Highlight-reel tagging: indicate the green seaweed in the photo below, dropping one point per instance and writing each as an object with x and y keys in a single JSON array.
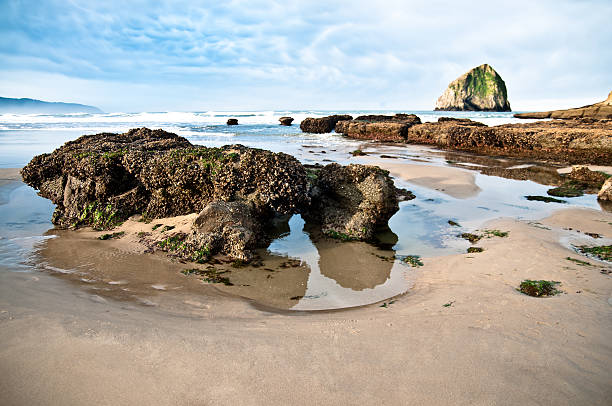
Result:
[
  {"x": 544, "y": 199},
  {"x": 472, "y": 250},
  {"x": 173, "y": 243},
  {"x": 578, "y": 261},
  {"x": 602, "y": 252},
  {"x": 570, "y": 188},
  {"x": 473, "y": 238},
  {"x": 100, "y": 217},
  {"x": 539, "y": 288},
  {"x": 495, "y": 233},
  {"x": 209, "y": 275},
  {"x": 358, "y": 152},
  {"x": 412, "y": 260},
  {"x": 339, "y": 236},
  {"x": 110, "y": 236}
]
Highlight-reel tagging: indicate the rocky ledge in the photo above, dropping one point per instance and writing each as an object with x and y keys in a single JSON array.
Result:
[
  {"x": 568, "y": 141},
  {"x": 101, "y": 180},
  {"x": 599, "y": 111}
]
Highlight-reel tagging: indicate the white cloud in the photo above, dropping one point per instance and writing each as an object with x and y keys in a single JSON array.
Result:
[{"x": 295, "y": 54}]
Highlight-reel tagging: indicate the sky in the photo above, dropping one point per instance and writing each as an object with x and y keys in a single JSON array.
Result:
[{"x": 292, "y": 55}]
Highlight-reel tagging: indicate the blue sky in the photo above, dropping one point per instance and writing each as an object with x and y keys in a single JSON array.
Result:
[{"x": 239, "y": 55}]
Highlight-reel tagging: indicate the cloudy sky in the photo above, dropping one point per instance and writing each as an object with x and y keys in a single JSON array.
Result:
[{"x": 234, "y": 55}]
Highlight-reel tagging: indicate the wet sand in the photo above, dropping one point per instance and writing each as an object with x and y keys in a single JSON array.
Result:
[
  {"x": 457, "y": 183},
  {"x": 461, "y": 335},
  {"x": 491, "y": 345},
  {"x": 8, "y": 175}
]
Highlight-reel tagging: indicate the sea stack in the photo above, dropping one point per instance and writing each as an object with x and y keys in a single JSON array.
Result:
[{"x": 480, "y": 89}]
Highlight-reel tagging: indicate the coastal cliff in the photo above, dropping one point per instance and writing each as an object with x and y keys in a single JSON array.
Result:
[{"x": 480, "y": 89}]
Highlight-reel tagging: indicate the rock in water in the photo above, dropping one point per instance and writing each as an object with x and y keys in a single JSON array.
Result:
[
  {"x": 286, "y": 120},
  {"x": 323, "y": 124},
  {"x": 232, "y": 121},
  {"x": 481, "y": 89}
]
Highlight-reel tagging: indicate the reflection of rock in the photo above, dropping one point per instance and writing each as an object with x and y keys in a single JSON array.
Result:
[
  {"x": 232, "y": 121},
  {"x": 272, "y": 285},
  {"x": 480, "y": 89},
  {"x": 605, "y": 194},
  {"x": 286, "y": 120},
  {"x": 353, "y": 201},
  {"x": 599, "y": 111},
  {"x": 323, "y": 124},
  {"x": 354, "y": 265}
]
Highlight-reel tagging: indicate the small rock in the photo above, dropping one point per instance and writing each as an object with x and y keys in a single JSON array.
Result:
[
  {"x": 286, "y": 121},
  {"x": 232, "y": 121}
]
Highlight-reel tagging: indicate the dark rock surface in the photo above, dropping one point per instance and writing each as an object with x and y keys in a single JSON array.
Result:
[
  {"x": 286, "y": 121},
  {"x": 567, "y": 141},
  {"x": 352, "y": 202},
  {"x": 379, "y": 127},
  {"x": 101, "y": 180},
  {"x": 232, "y": 121},
  {"x": 323, "y": 124}
]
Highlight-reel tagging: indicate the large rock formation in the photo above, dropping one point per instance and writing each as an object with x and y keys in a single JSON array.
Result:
[
  {"x": 378, "y": 127},
  {"x": 599, "y": 111},
  {"x": 101, "y": 180},
  {"x": 323, "y": 124},
  {"x": 567, "y": 141},
  {"x": 480, "y": 89}
]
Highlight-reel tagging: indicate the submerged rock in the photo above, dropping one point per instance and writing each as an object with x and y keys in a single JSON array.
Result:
[
  {"x": 286, "y": 121},
  {"x": 598, "y": 111},
  {"x": 480, "y": 89},
  {"x": 352, "y": 202},
  {"x": 323, "y": 124}
]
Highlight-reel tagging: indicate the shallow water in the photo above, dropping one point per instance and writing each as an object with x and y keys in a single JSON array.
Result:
[{"x": 325, "y": 274}]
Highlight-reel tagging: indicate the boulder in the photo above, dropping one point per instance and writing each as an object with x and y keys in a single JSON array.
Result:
[
  {"x": 101, "y": 180},
  {"x": 323, "y": 124},
  {"x": 605, "y": 194},
  {"x": 352, "y": 202},
  {"x": 480, "y": 89},
  {"x": 597, "y": 111},
  {"x": 286, "y": 121},
  {"x": 232, "y": 121},
  {"x": 379, "y": 127},
  {"x": 233, "y": 228}
]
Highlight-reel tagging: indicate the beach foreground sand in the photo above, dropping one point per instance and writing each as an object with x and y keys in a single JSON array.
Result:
[{"x": 491, "y": 345}]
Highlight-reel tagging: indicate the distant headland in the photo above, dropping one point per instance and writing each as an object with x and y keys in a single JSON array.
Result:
[{"x": 32, "y": 106}]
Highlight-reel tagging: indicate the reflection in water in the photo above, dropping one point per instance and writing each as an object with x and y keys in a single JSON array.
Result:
[{"x": 342, "y": 274}]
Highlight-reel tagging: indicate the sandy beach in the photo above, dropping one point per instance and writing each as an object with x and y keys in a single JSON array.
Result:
[{"x": 462, "y": 335}]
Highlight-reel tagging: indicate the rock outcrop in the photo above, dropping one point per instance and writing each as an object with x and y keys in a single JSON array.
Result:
[
  {"x": 563, "y": 141},
  {"x": 323, "y": 124},
  {"x": 232, "y": 121},
  {"x": 352, "y": 202},
  {"x": 101, "y": 180},
  {"x": 286, "y": 121},
  {"x": 378, "y": 127},
  {"x": 598, "y": 111},
  {"x": 605, "y": 194},
  {"x": 480, "y": 89}
]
